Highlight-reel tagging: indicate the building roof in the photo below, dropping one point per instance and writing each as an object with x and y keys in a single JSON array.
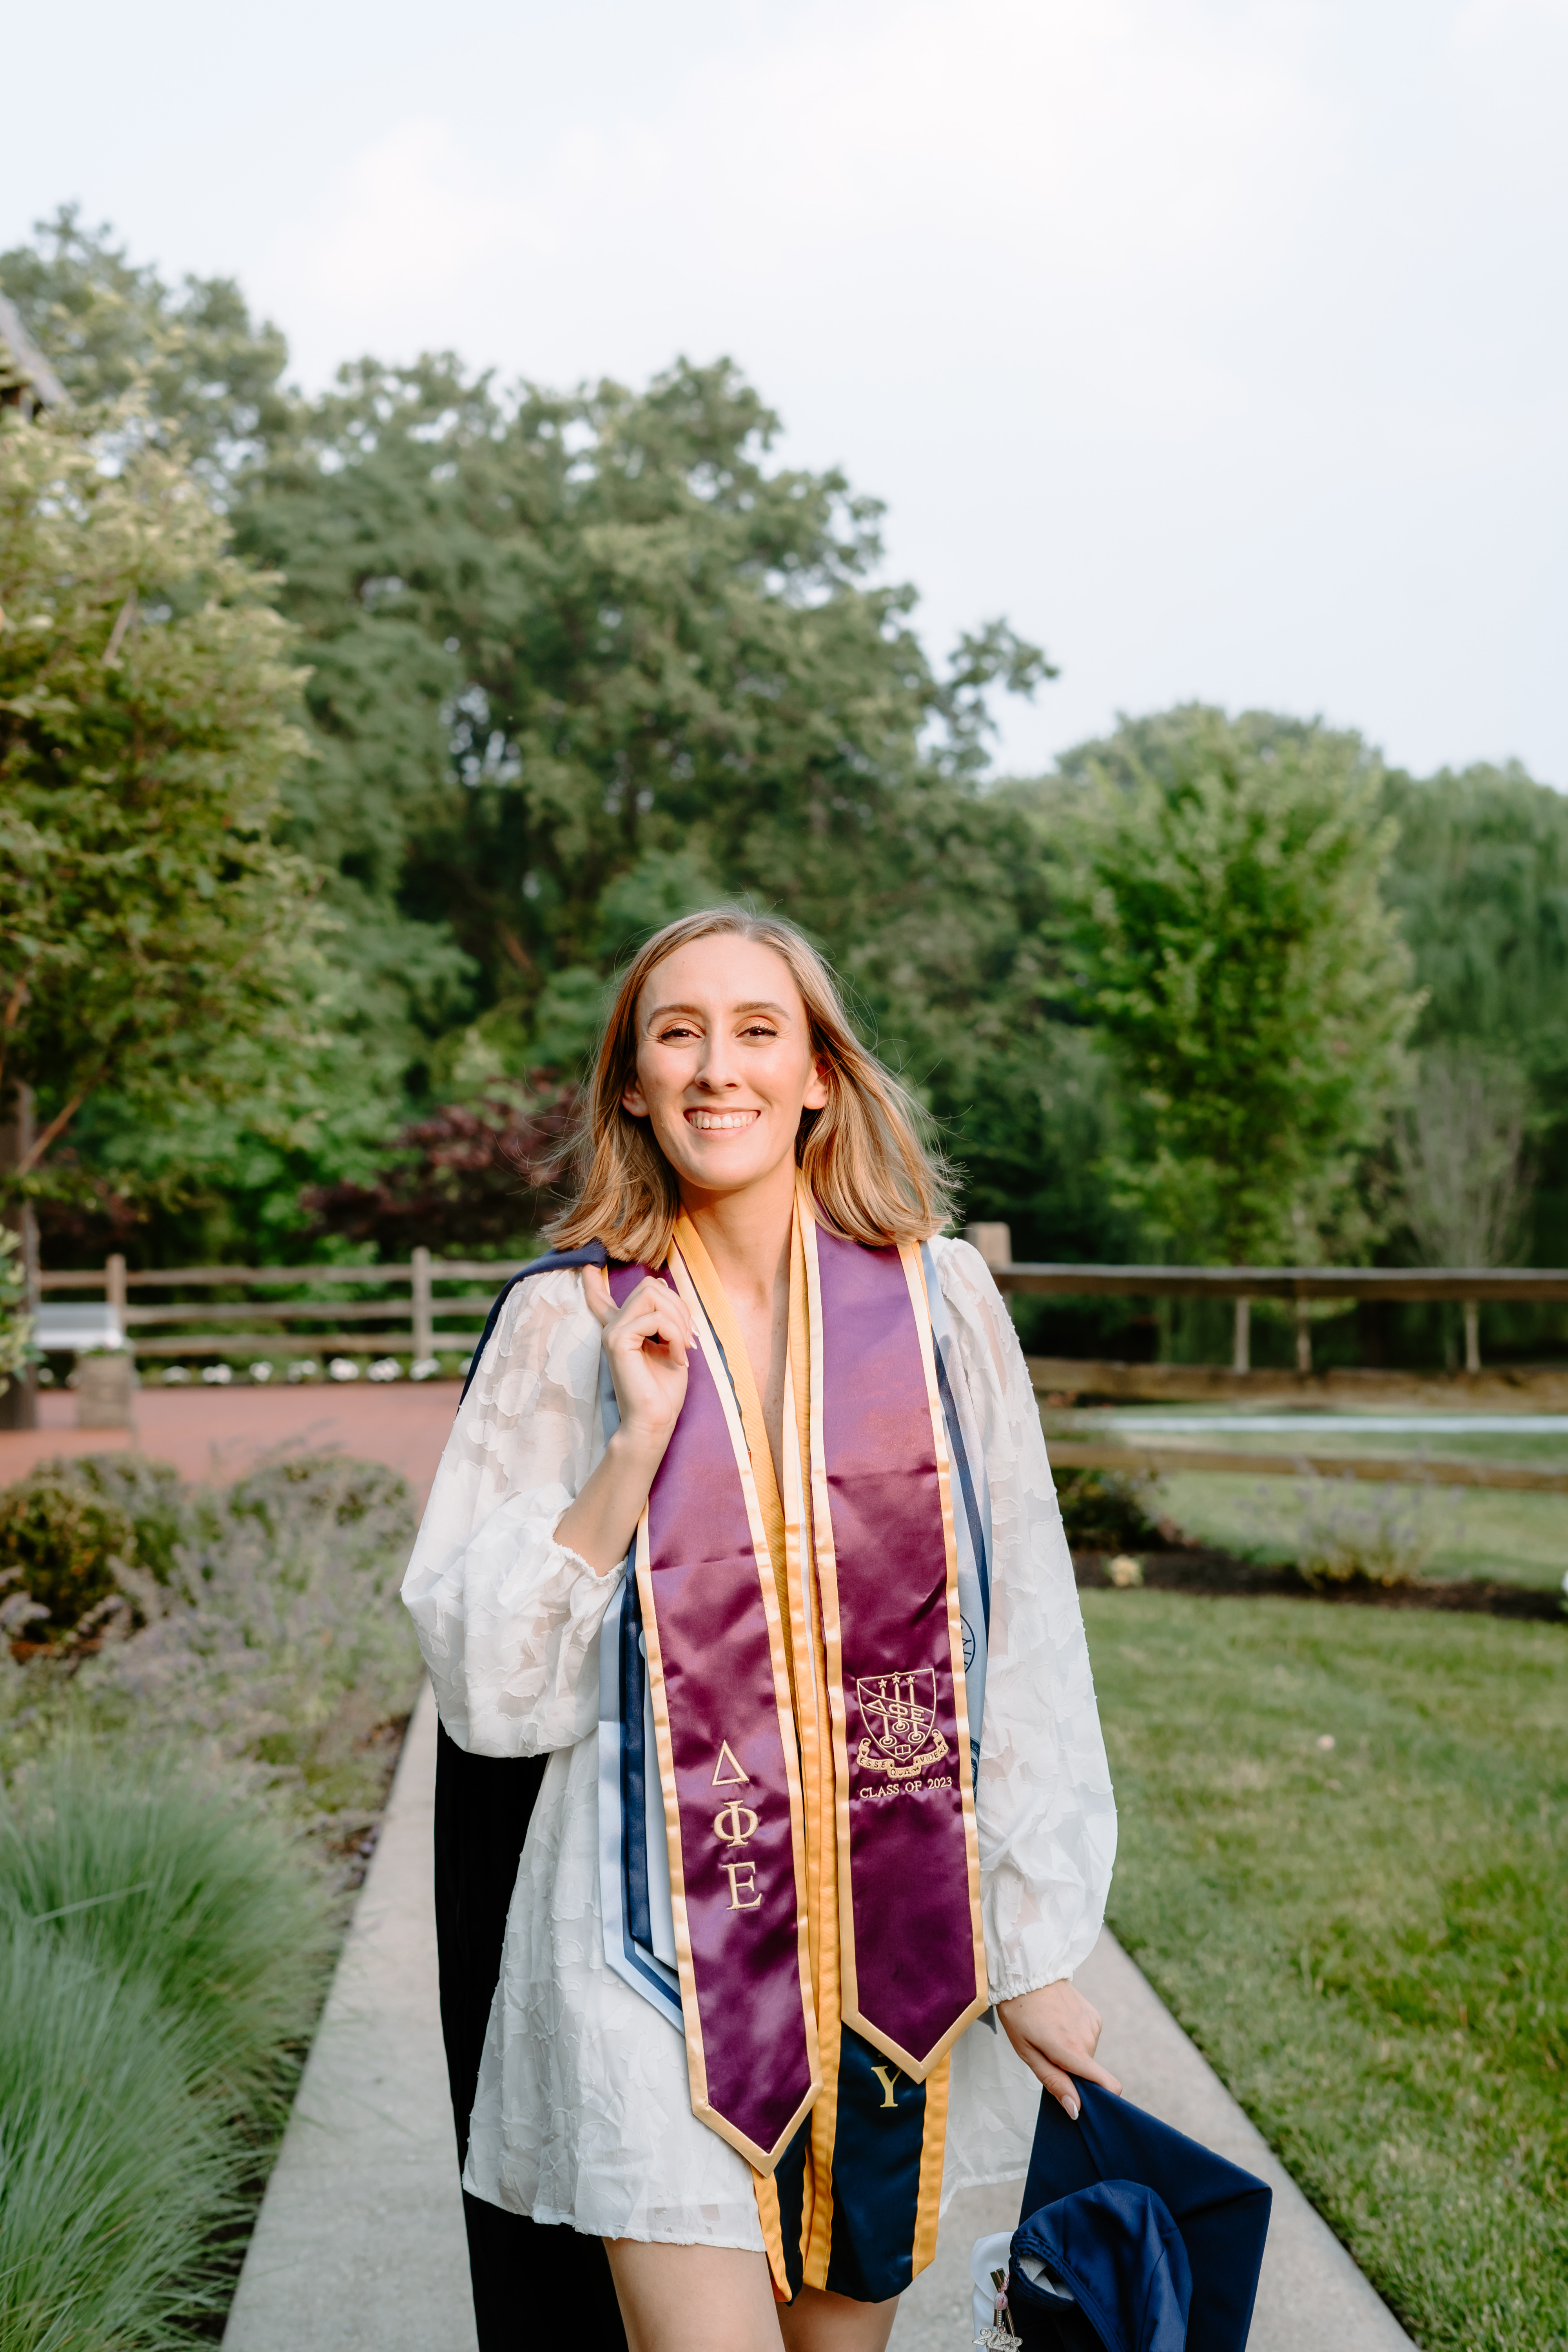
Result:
[{"x": 22, "y": 367}]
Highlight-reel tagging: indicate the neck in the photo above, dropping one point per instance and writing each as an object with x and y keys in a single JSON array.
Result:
[{"x": 747, "y": 1233}]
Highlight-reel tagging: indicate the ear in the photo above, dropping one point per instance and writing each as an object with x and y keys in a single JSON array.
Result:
[
  {"x": 817, "y": 1087},
  {"x": 635, "y": 1100}
]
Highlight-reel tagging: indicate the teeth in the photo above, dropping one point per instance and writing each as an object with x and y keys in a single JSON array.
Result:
[{"x": 717, "y": 1122}]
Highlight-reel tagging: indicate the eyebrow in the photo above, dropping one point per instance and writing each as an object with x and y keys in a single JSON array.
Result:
[{"x": 761, "y": 1004}]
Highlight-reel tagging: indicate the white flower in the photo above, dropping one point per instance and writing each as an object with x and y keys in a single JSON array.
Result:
[
  {"x": 343, "y": 1368},
  {"x": 217, "y": 1376},
  {"x": 385, "y": 1367}
]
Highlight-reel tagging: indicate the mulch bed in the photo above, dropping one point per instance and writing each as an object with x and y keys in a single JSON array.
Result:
[{"x": 1221, "y": 1574}]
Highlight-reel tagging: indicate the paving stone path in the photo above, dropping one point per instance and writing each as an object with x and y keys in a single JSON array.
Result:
[
  {"x": 220, "y": 1433},
  {"x": 359, "y": 2247}
]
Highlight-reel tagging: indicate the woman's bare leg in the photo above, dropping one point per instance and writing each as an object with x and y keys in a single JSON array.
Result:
[
  {"x": 818, "y": 2321},
  {"x": 693, "y": 2298},
  {"x": 720, "y": 2299}
]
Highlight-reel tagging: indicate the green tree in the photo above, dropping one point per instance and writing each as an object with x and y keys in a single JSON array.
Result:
[
  {"x": 1480, "y": 881},
  {"x": 1233, "y": 946},
  {"x": 154, "y": 938},
  {"x": 580, "y": 662},
  {"x": 220, "y": 1172}
]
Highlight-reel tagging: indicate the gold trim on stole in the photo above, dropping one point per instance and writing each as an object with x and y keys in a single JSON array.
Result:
[
  {"x": 915, "y": 1276},
  {"x": 934, "y": 2149},
  {"x": 816, "y": 1751}
]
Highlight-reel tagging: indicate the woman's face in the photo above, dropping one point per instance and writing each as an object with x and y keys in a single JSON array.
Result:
[{"x": 724, "y": 1065}]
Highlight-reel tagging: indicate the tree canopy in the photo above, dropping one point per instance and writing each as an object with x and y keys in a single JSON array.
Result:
[
  {"x": 564, "y": 665},
  {"x": 154, "y": 935},
  {"x": 583, "y": 663}
]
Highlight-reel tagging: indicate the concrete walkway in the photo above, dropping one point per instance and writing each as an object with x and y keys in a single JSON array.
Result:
[{"x": 359, "y": 2247}]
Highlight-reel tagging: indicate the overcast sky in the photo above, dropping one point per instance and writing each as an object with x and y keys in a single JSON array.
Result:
[{"x": 1220, "y": 346}]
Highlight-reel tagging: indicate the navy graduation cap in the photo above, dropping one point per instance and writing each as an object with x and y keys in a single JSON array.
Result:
[{"x": 1157, "y": 2241}]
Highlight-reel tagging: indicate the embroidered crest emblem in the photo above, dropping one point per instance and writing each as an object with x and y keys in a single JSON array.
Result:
[{"x": 898, "y": 1712}]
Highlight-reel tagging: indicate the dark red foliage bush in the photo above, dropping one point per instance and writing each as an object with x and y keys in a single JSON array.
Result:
[{"x": 477, "y": 1175}]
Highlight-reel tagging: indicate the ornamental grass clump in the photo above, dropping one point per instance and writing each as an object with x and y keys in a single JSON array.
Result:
[
  {"x": 164, "y": 1946},
  {"x": 152, "y": 1867},
  {"x": 112, "y": 2166}
]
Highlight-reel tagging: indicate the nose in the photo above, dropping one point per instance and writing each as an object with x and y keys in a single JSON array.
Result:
[{"x": 714, "y": 1075}]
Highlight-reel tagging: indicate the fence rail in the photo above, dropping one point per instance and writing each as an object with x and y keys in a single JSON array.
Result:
[
  {"x": 1396, "y": 1469},
  {"x": 407, "y": 1326},
  {"x": 1500, "y": 1388},
  {"x": 1305, "y": 1285},
  {"x": 262, "y": 1277},
  {"x": 1347, "y": 1283},
  {"x": 429, "y": 1317}
]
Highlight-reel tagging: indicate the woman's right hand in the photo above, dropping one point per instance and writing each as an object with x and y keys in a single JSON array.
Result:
[{"x": 646, "y": 1339}]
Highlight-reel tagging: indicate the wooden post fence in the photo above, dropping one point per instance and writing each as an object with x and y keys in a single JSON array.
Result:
[{"x": 430, "y": 1307}]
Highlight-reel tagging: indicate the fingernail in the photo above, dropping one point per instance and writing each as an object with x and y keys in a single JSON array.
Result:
[{"x": 1071, "y": 2106}]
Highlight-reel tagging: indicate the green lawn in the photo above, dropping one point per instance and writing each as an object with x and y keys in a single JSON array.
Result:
[
  {"x": 1477, "y": 1532},
  {"x": 1370, "y": 1941}
]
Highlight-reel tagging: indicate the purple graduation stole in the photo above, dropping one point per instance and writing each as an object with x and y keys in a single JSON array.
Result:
[{"x": 808, "y": 1697}]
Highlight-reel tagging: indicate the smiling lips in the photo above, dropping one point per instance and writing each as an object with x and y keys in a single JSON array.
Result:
[{"x": 721, "y": 1122}]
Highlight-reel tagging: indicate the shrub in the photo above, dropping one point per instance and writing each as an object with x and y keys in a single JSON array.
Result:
[
  {"x": 1107, "y": 1510},
  {"x": 151, "y": 1493},
  {"x": 1350, "y": 1531},
  {"x": 367, "y": 1506},
  {"x": 277, "y": 1632},
  {"x": 265, "y": 1618},
  {"x": 16, "y": 1323},
  {"x": 64, "y": 1547}
]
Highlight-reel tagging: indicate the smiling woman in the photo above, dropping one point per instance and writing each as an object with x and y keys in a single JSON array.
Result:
[
  {"x": 765, "y": 1015},
  {"x": 748, "y": 1523}
]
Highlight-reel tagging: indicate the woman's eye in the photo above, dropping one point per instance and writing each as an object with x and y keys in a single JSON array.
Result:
[
  {"x": 675, "y": 1037},
  {"x": 759, "y": 1029}
]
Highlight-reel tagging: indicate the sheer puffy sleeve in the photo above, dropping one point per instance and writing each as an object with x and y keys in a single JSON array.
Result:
[
  {"x": 1047, "y": 1817},
  {"x": 508, "y": 1619}
]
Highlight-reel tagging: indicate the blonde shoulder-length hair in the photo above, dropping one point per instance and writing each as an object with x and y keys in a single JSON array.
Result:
[{"x": 863, "y": 1155}]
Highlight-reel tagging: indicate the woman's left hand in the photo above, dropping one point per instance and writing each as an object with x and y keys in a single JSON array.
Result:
[{"x": 1055, "y": 2032}]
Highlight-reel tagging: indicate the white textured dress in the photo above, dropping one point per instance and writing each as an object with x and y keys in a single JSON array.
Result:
[{"x": 582, "y": 2113}]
